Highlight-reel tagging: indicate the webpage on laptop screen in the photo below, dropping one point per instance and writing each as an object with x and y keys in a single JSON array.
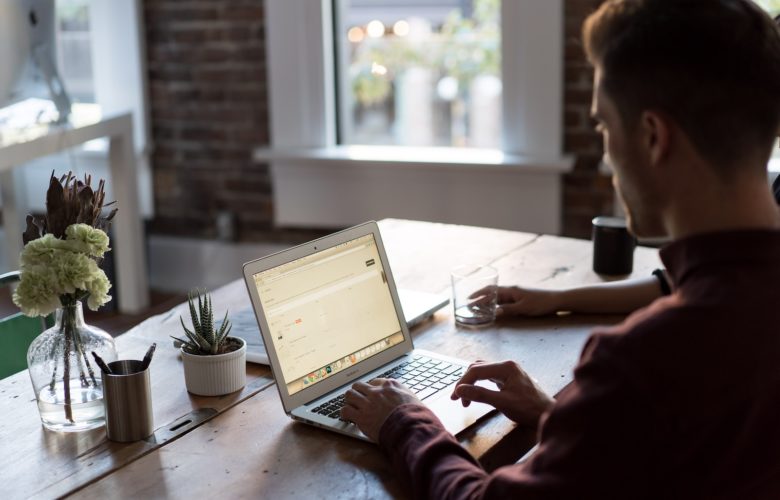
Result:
[{"x": 328, "y": 311}]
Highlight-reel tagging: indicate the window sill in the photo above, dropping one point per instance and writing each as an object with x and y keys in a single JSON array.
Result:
[
  {"x": 342, "y": 186},
  {"x": 416, "y": 157}
]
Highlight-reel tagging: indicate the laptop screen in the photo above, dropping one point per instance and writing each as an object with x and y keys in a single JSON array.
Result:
[{"x": 328, "y": 311}]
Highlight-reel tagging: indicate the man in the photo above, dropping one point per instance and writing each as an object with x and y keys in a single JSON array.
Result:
[{"x": 681, "y": 400}]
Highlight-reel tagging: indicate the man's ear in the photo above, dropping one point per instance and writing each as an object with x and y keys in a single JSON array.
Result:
[{"x": 655, "y": 131}]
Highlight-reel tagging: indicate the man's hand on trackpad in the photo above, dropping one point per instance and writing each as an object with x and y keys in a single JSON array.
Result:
[
  {"x": 369, "y": 404},
  {"x": 518, "y": 397}
]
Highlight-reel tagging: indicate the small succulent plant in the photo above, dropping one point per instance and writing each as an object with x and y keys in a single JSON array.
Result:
[{"x": 204, "y": 339}]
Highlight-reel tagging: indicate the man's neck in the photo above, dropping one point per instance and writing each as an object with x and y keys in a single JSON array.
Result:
[{"x": 724, "y": 207}]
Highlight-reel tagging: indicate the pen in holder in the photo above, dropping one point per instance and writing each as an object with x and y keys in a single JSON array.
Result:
[{"x": 127, "y": 397}]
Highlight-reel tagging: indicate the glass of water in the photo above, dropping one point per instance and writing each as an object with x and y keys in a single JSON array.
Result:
[{"x": 474, "y": 293}]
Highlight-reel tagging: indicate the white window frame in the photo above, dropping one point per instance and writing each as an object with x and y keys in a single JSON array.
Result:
[{"x": 318, "y": 183}]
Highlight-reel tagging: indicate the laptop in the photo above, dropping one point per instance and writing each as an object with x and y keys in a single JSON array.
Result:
[
  {"x": 330, "y": 315},
  {"x": 417, "y": 306}
]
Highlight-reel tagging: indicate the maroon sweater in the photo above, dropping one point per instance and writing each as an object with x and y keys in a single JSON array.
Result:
[{"x": 681, "y": 400}]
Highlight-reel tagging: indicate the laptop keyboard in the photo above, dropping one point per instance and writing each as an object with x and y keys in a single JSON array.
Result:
[{"x": 424, "y": 376}]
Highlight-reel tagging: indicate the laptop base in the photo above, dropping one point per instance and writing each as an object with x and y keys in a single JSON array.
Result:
[{"x": 452, "y": 414}]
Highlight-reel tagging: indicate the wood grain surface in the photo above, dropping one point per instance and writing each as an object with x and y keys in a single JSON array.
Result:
[
  {"x": 250, "y": 448},
  {"x": 46, "y": 464}
]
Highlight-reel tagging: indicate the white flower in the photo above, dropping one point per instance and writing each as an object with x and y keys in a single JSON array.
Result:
[
  {"x": 51, "y": 268},
  {"x": 42, "y": 250},
  {"x": 87, "y": 239},
  {"x": 37, "y": 293},
  {"x": 98, "y": 290}
]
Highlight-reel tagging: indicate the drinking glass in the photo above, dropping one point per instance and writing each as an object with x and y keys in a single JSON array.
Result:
[{"x": 474, "y": 293}]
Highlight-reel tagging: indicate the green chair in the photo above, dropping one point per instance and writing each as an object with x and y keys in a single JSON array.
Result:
[{"x": 17, "y": 331}]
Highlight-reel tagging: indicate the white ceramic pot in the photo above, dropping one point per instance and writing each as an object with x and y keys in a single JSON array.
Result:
[{"x": 215, "y": 375}]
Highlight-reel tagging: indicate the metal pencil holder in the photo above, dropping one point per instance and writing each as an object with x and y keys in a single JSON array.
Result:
[{"x": 127, "y": 397}]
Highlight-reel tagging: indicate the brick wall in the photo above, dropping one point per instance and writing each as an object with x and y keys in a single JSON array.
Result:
[
  {"x": 586, "y": 192},
  {"x": 207, "y": 87},
  {"x": 206, "y": 63}
]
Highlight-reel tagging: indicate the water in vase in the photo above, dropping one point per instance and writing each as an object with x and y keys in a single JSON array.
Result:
[{"x": 86, "y": 407}]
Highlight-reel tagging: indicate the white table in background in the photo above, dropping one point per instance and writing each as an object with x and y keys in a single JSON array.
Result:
[{"x": 20, "y": 147}]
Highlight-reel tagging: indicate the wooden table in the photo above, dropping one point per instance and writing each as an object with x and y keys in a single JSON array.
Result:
[{"x": 243, "y": 445}]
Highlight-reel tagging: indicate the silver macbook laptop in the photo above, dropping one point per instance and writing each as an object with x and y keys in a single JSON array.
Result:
[
  {"x": 330, "y": 315},
  {"x": 419, "y": 306}
]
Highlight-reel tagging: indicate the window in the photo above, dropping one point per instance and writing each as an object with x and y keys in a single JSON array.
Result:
[
  {"x": 74, "y": 58},
  {"x": 773, "y": 7},
  {"x": 303, "y": 72},
  {"x": 419, "y": 74},
  {"x": 336, "y": 160}
]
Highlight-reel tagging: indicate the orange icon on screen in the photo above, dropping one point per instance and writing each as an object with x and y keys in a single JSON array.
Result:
[{"x": 298, "y": 321}]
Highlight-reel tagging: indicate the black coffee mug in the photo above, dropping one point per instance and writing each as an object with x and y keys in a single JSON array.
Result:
[{"x": 613, "y": 246}]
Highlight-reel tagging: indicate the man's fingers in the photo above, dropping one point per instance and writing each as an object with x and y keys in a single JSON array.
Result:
[
  {"x": 470, "y": 367},
  {"x": 363, "y": 387},
  {"x": 488, "y": 290},
  {"x": 479, "y": 394},
  {"x": 487, "y": 371},
  {"x": 511, "y": 309},
  {"x": 509, "y": 294},
  {"x": 366, "y": 388},
  {"x": 355, "y": 398},
  {"x": 349, "y": 413}
]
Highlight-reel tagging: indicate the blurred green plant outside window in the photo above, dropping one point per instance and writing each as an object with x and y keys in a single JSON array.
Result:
[{"x": 424, "y": 73}]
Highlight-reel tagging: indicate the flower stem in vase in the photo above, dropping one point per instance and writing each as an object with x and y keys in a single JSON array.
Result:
[
  {"x": 66, "y": 365},
  {"x": 53, "y": 356},
  {"x": 81, "y": 357}
]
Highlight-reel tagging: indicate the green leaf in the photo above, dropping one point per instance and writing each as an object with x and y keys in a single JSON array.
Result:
[
  {"x": 224, "y": 329},
  {"x": 210, "y": 311},
  {"x": 193, "y": 313},
  {"x": 186, "y": 330},
  {"x": 203, "y": 343},
  {"x": 195, "y": 338},
  {"x": 189, "y": 346},
  {"x": 224, "y": 325},
  {"x": 224, "y": 335},
  {"x": 208, "y": 321}
]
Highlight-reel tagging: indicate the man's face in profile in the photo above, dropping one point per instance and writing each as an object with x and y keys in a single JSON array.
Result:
[{"x": 631, "y": 179}]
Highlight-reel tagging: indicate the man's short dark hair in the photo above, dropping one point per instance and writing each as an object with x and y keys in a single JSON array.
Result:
[{"x": 713, "y": 66}]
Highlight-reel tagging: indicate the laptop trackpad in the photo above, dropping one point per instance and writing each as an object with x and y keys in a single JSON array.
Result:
[{"x": 454, "y": 416}]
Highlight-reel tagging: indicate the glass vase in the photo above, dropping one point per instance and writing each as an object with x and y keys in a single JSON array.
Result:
[{"x": 65, "y": 377}]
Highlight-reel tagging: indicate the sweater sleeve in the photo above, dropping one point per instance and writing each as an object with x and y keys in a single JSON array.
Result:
[
  {"x": 428, "y": 457},
  {"x": 596, "y": 423}
]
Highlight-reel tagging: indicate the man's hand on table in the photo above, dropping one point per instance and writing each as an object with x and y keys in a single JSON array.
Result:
[
  {"x": 369, "y": 405},
  {"x": 516, "y": 301},
  {"x": 519, "y": 396}
]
